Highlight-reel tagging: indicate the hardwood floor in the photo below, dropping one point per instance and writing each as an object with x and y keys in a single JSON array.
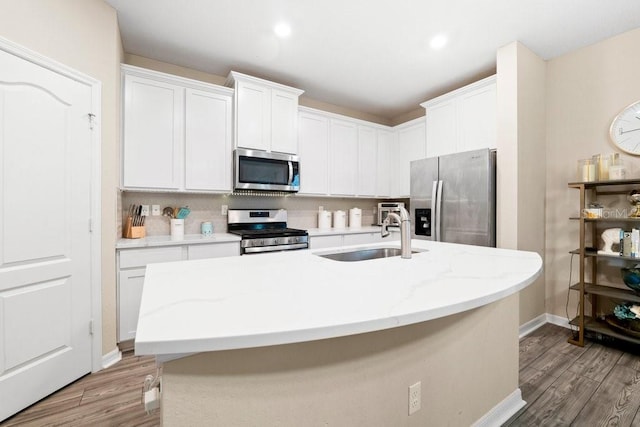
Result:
[
  {"x": 111, "y": 397},
  {"x": 563, "y": 385}
]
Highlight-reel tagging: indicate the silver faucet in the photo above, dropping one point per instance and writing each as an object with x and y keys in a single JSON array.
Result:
[{"x": 405, "y": 230}]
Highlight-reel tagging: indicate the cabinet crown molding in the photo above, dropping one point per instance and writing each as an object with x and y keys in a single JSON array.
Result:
[
  {"x": 132, "y": 70},
  {"x": 235, "y": 76},
  {"x": 449, "y": 95}
]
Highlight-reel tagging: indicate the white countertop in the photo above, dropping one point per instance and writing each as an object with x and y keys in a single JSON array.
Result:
[
  {"x": 287, "y": 297},
  {"x": 189, "y": 239}
]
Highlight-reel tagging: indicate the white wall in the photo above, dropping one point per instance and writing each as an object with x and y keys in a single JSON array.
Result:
[
  {"x": 84, "y": 35},
  {"x": 585, "y": 90}
]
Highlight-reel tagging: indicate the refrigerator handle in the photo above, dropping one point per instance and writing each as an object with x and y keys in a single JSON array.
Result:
[
  {"x": 438, "y": 200},
  {"x": 434, "y": 195}
]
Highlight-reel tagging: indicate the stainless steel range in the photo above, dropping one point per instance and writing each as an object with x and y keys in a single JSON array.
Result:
[{"x": 265, "y": 230}]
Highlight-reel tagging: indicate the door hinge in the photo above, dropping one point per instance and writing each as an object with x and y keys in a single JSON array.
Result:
[
  {"x": 92, "y": 118},
  {"x": 91, "y": 327},
  {"x": 90, "y": 226}
]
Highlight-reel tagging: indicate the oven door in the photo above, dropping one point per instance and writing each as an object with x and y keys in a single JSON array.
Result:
[{"x": 262, "y": 170}]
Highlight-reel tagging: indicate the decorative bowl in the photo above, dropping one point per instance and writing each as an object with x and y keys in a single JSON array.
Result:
[{"x": 631, "y": 278}]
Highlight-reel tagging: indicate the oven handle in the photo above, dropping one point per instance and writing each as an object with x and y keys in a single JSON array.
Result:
[{"x": 259, "y": 249}]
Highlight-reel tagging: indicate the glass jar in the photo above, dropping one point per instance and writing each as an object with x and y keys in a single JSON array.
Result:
[{"x": 586, "y": 170}]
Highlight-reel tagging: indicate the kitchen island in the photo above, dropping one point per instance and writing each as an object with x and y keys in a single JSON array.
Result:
[{"x": 297, "y": 339}]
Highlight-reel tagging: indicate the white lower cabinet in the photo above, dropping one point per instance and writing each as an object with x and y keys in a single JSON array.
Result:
[
  {"x": 129, "y": 295},
  {"x": 361, "y": 239},
  {"x": 320, "y": 242},
  {"x": 338, "y": 240},
  {"x": 216, "y": 250},
  {"x": 132, "y": 267}
]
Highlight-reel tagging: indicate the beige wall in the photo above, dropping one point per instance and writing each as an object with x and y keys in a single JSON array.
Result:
[
  {"x": 521, "y": 162},
  {"x": 467, "y": 363},
  {"x": 84, "y": 35},
  {"x": 586, "y": 89}
]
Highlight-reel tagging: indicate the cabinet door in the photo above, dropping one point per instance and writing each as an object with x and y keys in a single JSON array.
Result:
[
  {"x": 384, "y": 161},
  {"x": 361, "y": 239},
  {"x": 320, "y": 242},
  {"x": 215, "y": 250},
  {"x": 367, "y": 161},
  {"x": 441, "y": 129},
  {"x": 152, "y": 137},
  {"x": 253, "y": 121},
  {"x": 343, "y": 157},
  {"x": 129, "y": 296},
  {"x": 411, "y": 146},
  {"x": 476, "y": 114},
  {"x": 313, "y": 145},
  {"x": 207, "y": 141},
  {"x": 284, "y": 122}
]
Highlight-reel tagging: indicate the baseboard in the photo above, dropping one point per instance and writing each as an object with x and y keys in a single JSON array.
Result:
[
  {"x": 111, "y": 358},
  {"x": 558, "y": 320},
  {"x": 504, "y": 410},
  {"x": 534, "y": 324}
]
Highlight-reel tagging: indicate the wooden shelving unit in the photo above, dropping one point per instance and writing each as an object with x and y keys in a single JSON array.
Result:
[{"x": 589, "y": 258}]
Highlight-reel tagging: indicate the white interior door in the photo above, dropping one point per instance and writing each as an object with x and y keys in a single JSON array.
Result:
[{"x": 45, "y": 244}]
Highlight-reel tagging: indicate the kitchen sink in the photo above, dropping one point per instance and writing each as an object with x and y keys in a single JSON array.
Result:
[{"x": 365, "y": 254}]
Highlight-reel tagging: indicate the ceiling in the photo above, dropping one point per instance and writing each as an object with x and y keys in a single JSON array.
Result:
[{"x": 371, "y": 56}]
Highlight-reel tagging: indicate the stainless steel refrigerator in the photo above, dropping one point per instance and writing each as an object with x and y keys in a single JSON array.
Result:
[{"x": 453, "y": 198}]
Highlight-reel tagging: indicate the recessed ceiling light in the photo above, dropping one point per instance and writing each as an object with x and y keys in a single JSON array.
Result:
[
  {"x": 438, "y": 42},
  {"x": 282, "y": 30}
]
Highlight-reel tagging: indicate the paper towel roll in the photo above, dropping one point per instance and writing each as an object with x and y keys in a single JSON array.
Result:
[
  {"x": 324, "y": 220},
  {"x": 355, "y": 218},
  {"x": 339, "y": 219}
]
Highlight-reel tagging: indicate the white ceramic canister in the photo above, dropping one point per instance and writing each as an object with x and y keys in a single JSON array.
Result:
[
  {"x": 355, "y": 218},
  {"x": 339, "y": 219},
  {"x": 324, "y": 220},
  {"x": 177, "y": 229}
]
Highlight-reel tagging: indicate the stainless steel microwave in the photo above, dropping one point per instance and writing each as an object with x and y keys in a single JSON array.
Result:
[{"x": 268, "y": 171}]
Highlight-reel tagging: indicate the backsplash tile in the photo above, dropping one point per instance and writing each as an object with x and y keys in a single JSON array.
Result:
[{"x": 302, "y": 211}]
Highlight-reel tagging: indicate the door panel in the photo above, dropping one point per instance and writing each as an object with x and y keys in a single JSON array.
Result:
[
  {"x": 466, "y": 198},
  {"x": 45, "y": 242}
]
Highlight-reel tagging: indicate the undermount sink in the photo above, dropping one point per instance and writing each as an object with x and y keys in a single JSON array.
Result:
[{"x": 365, "y": 254}]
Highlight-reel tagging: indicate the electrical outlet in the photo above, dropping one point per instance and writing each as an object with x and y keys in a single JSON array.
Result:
[
  {"x": 415, "y": 397},
  {"x": 155, "y": 210},
  {"x": 224, "y": 209},
  {"x": 145, "y": 210}
]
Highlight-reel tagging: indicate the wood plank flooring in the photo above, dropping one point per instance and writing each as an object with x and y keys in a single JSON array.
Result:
[
  {"x": 563, "y": 385},
  {"x": 111, "y": 397}
]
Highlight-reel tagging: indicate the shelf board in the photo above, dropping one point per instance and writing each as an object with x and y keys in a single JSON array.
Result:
[
  {"x": 592, "y": 184},
  {"x": 609, "y": 291},
  {"x": 595, "y": 254},
  {"x": 601, "y": 327},
  {"x": 617, "y": 219}
]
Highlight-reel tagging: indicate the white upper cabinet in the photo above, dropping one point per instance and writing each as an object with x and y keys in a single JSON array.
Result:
[
  {"x": 266, "y": 114},
  {"x": 313, "y": 149},
  {"x": 176, "y": 133},
  {"x": 386, "y": 144},
  {"x": 207, "y": 140},
  {"x": 410, "y": 146},
  {"x": 343, "y": 157},
  {"x": 152, "y": 133},
  {"x": 462, "y": 120},
  {"x": 367, "y": 160}
]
